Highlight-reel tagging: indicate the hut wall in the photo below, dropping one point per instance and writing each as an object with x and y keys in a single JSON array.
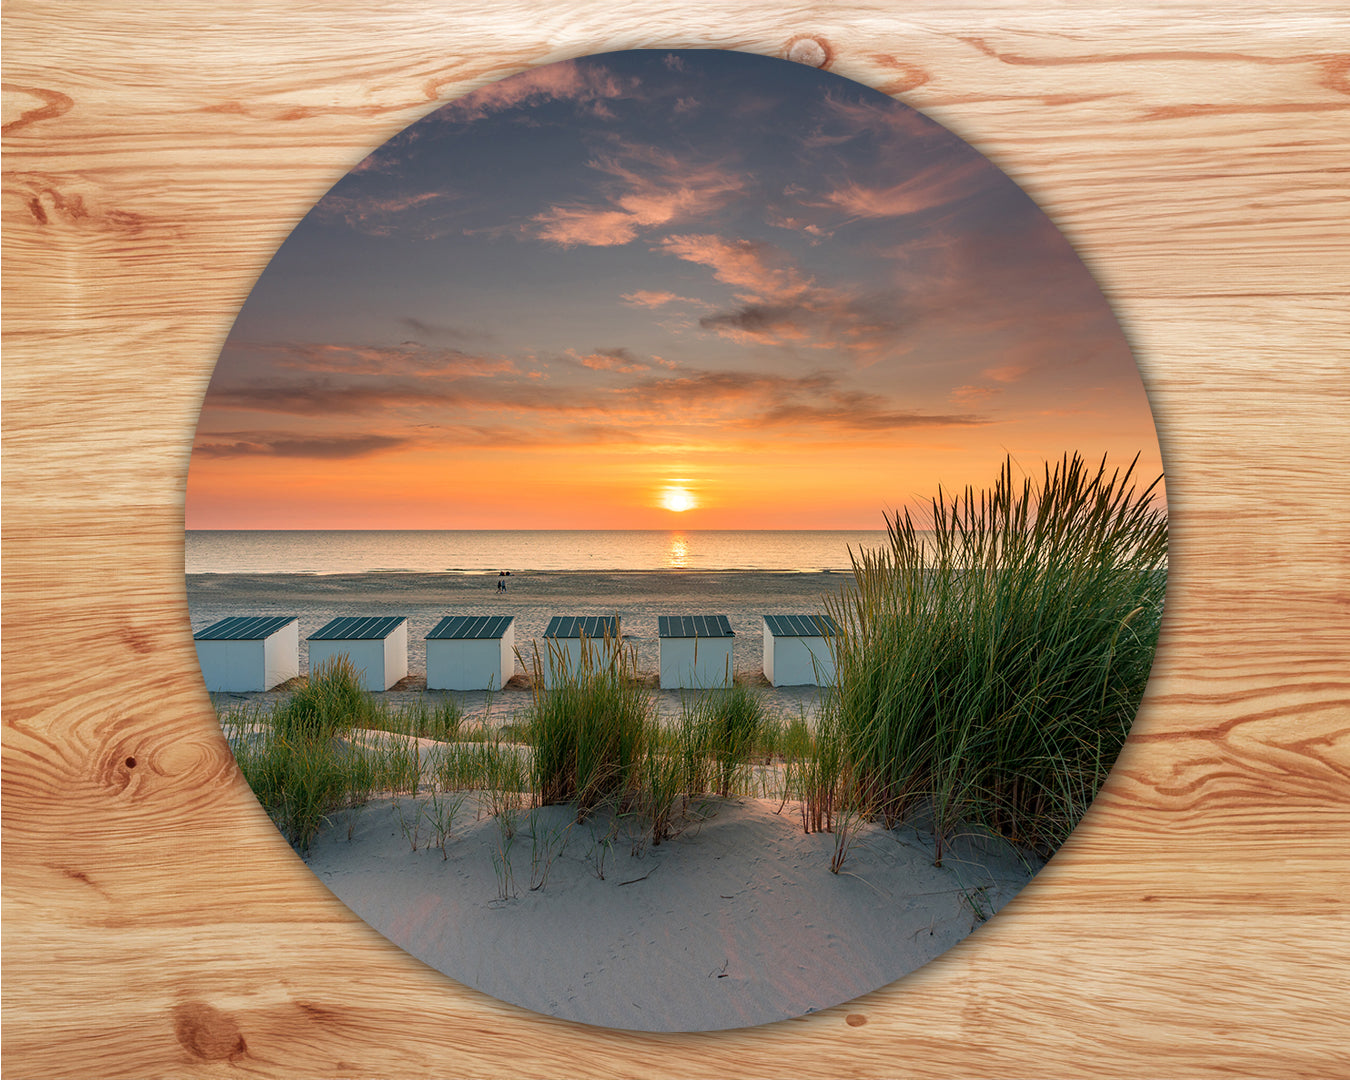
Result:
[
  {"x": 798, "y": 661},
  {"x": 697, "y": 663},
  {"x": 559, "y": 656},
  {"x": 250, "y": 665},
  {"x": 379, "y": 662},
  {"x": 281, "y": 655},
  {"x": 472, "y": 663}
]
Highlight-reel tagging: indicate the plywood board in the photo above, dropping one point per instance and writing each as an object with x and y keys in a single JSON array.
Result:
[{"x": 1195, "y": 153}]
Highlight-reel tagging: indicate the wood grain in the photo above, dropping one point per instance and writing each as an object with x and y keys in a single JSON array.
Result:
[{"x": 1195, "y": 153}]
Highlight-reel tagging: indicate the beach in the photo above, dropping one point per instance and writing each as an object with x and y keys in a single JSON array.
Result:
[
  {"x": 638, "y": 597},
  {"x": 735, "y": 920}
]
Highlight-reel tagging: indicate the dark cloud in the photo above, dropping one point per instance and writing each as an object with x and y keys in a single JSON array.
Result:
[
  {"x": 757, "y": 320},
  {"x": 821, "y": 318},
  {"x": 365, "y": 396},
  {"x": 782, "y": 305},
  {"x": 327, "y": 447},
  {"x": 863, "y": 412},
  {"x": 714, "y": 387},
  {"x": 313, "y": 397},
  {"x": 815, "y": 402},
  {"x": 407, "y": 358},
  {"x": 443, "y": 331}
]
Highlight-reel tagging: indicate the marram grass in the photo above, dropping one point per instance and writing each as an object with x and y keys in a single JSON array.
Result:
[
  {"x": 588, "y": 727},
  {"x": 992, "y": 670}
]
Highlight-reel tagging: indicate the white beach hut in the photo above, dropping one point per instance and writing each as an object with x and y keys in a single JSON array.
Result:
[
  {"x": 695, "y": 651},
  {"x": 471, "y": 652},
  {"x": 377, "y": 646},
  {"x": 569, "y": 637},
  {"x": 797, "y": 650},
  {"x": 249, "y": 652}
]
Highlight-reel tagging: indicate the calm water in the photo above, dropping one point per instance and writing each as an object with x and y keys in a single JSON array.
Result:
[{"x": 428, "y": 551}]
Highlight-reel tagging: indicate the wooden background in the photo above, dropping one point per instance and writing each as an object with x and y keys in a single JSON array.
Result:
[{"x": 1196, "y": 153}]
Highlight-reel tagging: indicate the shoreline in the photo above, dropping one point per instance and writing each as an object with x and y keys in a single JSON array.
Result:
[{"x": 463, "y": 571}]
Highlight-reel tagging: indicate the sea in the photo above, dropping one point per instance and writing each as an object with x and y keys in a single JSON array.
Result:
[{"x": 311, "y": 551}]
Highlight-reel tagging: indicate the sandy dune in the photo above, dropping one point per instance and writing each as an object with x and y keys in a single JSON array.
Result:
[{"x": 736, "y": 921}]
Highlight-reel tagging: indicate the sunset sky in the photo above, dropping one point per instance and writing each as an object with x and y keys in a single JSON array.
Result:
[{"x": 652, "y": 290}]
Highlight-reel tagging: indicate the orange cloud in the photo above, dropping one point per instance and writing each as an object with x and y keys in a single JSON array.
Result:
[
  {"x": 621, "y": 360},
  {"x": 1009, "y": 373},
  {"x": 565, "y": 81},
  {"x": 969, "y": 394},
  {"x": 755, "y": 268},
  {"x": 935, "y": 186},
  {"x": 649, "y": 189},
  {"x": 569, "y": 226},
  {"x": 653, "y": 299}
]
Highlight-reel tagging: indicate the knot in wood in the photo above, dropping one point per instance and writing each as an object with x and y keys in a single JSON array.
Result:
[
  {"x": 811, "y": 51},
  {"x": 207, "y": 1033}
]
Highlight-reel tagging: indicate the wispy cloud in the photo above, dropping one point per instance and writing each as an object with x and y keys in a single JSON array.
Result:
[
  {"x": 780, "y": 220},
  {"x": 648, "y": 298},
  {"x": 1007, "y": 373},
  {"x": 589, "y": 84},
  {"x": 970, "y": 394},
  {"x": 619, "y": 359},
  {"x": 423, "y": 214},
  {"x": 647, "y": 189},
  {"x": 938, "y": 185},
  {"x": 757, "y": 270},
  {"x": 845, "y": 118},
  {"x": 570, "y": 226}
]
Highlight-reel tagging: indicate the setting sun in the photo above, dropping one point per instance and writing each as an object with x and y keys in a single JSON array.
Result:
[
  {"x": 636, "y": 310},
  {"x": 677, "y": 499}
]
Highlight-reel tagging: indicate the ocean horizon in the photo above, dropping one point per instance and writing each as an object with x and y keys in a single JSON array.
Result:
[{"x": 479, "y": 551}]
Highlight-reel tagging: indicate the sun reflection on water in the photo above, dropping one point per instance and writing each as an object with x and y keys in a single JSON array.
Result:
[{"x": 677, "y": 557}]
